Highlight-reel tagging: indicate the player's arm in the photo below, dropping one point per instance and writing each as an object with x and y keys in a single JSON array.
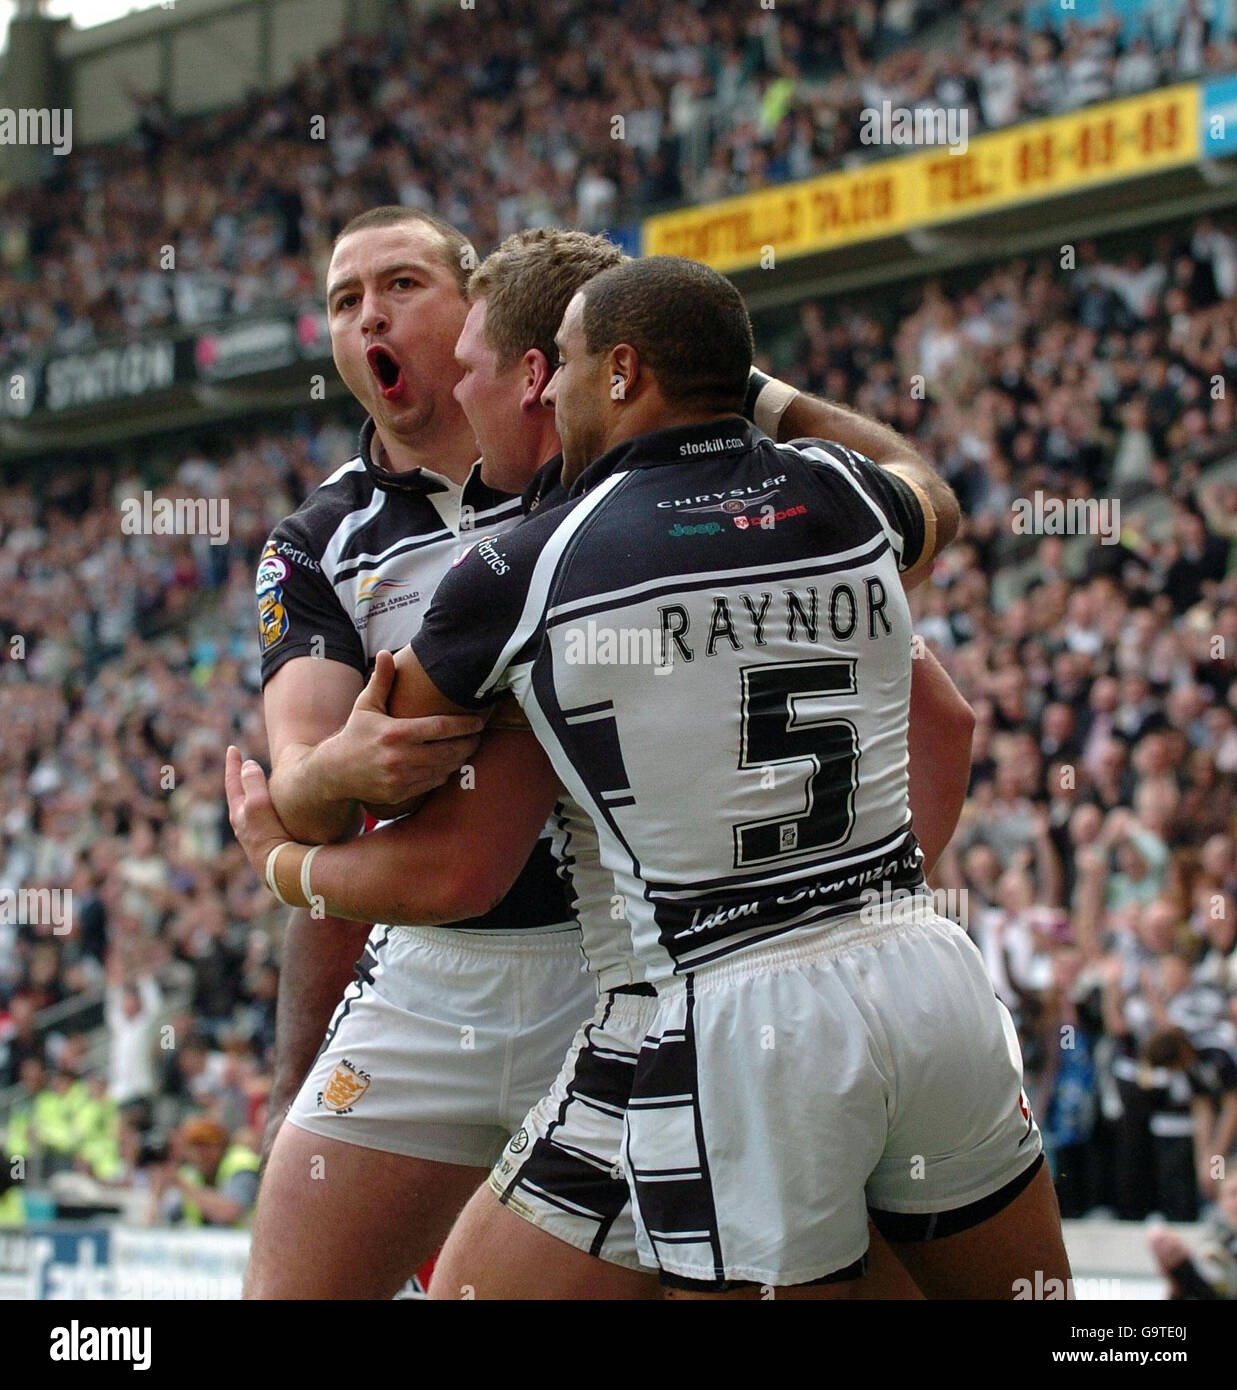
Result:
[
  {"x": 939, "y": 745},
  {"x": 453, "y": 858},
  {"x": 305, "y": 703},
  {"x": 785, "y": 413},
  {"x": 305, "y": 699},
  {"x": 313, "y": 665},
  {"x": 458, "y": 664},
  {"x": 334, "y": 748}
]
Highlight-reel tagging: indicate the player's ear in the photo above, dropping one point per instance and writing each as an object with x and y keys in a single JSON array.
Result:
[
  {"x": 537, "y": 374},
  {"x": 624, "y": 371}
]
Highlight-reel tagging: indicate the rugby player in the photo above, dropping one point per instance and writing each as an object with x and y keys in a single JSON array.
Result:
[
  {"x": 563, "y": 1180},
  {"x": 749, "y": 1161},
  {"x": 443, "y": 1040}
]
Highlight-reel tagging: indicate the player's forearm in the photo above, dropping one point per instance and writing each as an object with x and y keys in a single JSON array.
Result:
[
  {"x": 309, "y": 793},
  {"x": 939, "y": 747},
  {"x": 318, "y": 960},
  {"x": 397, "y": 875},
  {"x": 455, "y": 858},
  {"x": 808, "y": 416}
]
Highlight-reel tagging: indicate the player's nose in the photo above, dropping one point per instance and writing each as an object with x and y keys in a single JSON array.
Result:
[{"x": 374, "y": 319}]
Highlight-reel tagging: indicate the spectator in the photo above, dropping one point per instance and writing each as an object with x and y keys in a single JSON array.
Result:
[
  {"x": 1210, "y": 1272},
  {"x": 217, "y": 1182},
  {"x": 132, "y": 1011}
]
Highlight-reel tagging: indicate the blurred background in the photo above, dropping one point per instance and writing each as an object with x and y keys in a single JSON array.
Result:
[{"x": 1049, "y": 312}]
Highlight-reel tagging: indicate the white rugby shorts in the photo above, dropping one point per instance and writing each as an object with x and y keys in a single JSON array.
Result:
[
  {"x": 562, "y": 1169},
  {"x": 445, "y": 1040},
  {"x": 784, "y": 1091}
]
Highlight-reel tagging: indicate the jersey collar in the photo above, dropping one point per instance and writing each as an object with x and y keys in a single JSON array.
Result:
[
  {"x": 731, "y": 435},
  {"x": 415, "y": 480},
  {"x": 545, "y": 489}
]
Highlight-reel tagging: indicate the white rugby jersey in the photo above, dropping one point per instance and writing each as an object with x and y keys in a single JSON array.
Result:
[
  {"x": 352, "y": 571},
  {"x": 711, "y": 640}
]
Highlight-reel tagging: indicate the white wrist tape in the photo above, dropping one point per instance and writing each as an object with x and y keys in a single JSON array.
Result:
[
  {"x": 770, "y": 405},
  {"x": 306, "y": 891},
  {"x": 270, "y": 871}
]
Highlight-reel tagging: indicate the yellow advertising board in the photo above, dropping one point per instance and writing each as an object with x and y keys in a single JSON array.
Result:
[{"x": 1039, "y": 159}]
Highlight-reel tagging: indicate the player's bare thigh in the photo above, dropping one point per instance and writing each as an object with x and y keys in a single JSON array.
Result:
[
  {"x": 987, "y": 1261},
  {"x": 493, "y": 1253},
  {"x": 336, "y": 1220}
]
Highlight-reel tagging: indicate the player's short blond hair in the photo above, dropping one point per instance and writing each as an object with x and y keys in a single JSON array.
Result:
[{"x": 528, "y": 282}]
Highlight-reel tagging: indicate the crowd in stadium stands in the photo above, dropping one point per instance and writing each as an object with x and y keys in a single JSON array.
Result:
[
  {"x": 1095, "y": 864},
  {"x": 138, "y": 658},
  {"x": 716, "y": 99}
]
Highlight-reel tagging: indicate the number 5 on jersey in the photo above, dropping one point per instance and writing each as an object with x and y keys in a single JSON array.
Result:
[{"x": 781, "y": 723}]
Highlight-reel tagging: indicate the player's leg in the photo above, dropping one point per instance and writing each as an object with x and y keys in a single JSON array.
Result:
[
  {"x": 397, "y": 1122},
  {"x": 991, "y": 1259},
  {"x": 493, "y": 1253},
  {"x": 336, "y": 1220},
  {"x": 554, "y": 1220},
  {"x": 887, "y": 1278}
]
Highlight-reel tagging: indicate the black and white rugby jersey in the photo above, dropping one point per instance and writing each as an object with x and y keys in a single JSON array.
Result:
[
  {"x": 351, "y": 572},
  {"x": 711, "y": 640},
  {"x": 605, "y": 937}
]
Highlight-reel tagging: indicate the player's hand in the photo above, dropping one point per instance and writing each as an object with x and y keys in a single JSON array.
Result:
[
  {"x": 386, "y": 762},
  {"x": 254, "y": 820}
]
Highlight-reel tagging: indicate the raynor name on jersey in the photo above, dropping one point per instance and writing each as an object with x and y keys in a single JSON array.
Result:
[{"x": 795, "y": 615}]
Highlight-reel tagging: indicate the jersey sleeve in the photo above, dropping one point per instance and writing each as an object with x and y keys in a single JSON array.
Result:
[
  {"x": 904, "y": 506},
  {"x": 472, "y": 632},
  {"x": 299, "y": 612}
]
